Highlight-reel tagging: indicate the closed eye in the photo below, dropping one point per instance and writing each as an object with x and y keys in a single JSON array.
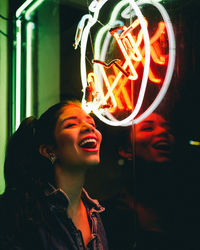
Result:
[
  {"x": 147, "y": 128},
  {"x": 70, "y": 125}
]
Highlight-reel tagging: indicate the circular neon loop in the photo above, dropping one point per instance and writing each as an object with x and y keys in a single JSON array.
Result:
[
  {"x": 145, "y": 74},
  {"x": 170, "y": 68},
  {"x": 169, "y": 72},
  {"x": 130, "y": 120},
  {"x": 125, "y": 121},
  {"x": 91, "y": 21}
]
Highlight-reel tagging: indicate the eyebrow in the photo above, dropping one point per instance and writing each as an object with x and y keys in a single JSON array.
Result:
[
  {"x": 70, "y": 118},
  {"x": 76, "y": 118},
  {"x": 151, "y": 122},
  {"x": 147, "y": 122}
]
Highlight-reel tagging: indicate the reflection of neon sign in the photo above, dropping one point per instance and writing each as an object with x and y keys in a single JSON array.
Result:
[{"x": 108, "y": 80}]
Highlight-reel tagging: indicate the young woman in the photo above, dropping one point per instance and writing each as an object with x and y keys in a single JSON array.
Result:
[{"x": 44, "y": 204}]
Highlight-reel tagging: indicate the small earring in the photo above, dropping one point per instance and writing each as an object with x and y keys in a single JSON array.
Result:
[{"x": 52, "y": 158}]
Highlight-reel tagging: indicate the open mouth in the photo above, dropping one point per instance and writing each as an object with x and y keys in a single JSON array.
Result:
[
  {"x": 88, "y": 143},
  {"x": 162, "y": 145}
]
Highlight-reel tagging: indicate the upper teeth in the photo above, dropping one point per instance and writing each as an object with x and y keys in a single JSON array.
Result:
[{"x": 87, "y": 141}]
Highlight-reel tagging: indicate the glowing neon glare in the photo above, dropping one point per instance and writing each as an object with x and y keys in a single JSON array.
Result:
[
  {"x": 132, "y": 46},
  {"x": 134, "y": 75},
  {"x": 110, "y": 92},
  {"x": 194, "y": 143},
  {"x": 94, "y": 7},
  {"x": 124, "y": 93},
  {"x": 29, "y": 31},
  {"x": 94, "y": 81},
  {"x": 23, "y": 7},
  {"x": 111, "y": 23},
  {"x": 18, "y": 75},
  {"x": 104, "y": 115},
  {"x": 125, "y": 40},
  {"x": 111, "y": 63},
  {"x": 32, "y": 8},
  {"x": 171, "y": 61},
  {"x": 145, "y": 74},
  {"x": 151, "y": 75},
  {"x": 80, "y": 30},
  {"x": 146, "y": 67}
]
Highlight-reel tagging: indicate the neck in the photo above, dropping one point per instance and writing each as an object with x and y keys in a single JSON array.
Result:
[{"x": 71, "y": 183}]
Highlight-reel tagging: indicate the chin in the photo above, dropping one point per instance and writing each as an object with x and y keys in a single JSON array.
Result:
[
  {"x": 92, "y": 161},
  {"x": 163, "y": 160},
  {"x": 161, "y": 157}
]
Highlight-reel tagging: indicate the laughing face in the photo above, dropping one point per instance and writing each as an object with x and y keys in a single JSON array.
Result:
[
  {"x": 77, "y": 139},
  {"x": 153, "y": 140}
]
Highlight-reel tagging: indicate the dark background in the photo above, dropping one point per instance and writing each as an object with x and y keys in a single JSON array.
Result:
[{"x": 181, "y": 104}]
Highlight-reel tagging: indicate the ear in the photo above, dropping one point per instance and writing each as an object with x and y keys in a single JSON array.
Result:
[{"x": 45, "y": 150}]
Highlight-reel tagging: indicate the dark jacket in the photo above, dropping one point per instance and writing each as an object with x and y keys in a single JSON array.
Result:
[{"x": 52, "y": 231}]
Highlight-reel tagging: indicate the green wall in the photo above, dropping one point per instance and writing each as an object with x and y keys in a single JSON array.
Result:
[
  {"x": 48, "y": 57},
  {"x": 46, "y": 68},
  {"x": 3, "y": 87}
]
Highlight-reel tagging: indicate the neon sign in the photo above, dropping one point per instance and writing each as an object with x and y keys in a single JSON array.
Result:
[
  {"x": 24, "y": 12},
  {"x": 109, "y": 87}
]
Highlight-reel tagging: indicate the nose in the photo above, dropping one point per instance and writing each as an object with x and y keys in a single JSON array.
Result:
[
  {"x": 161, "y": 131},
  {"x": 87, "y": 127}
]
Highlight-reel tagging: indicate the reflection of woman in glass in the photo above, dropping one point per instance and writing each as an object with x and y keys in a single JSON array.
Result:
[
  {"x": 153, "y": 139},
  {"x": 45, "y": 205},
  {"x": 145, "y": 204},
  {"x": 153, "y": 144}
]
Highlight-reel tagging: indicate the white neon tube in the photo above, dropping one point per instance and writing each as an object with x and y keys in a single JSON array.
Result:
[
  {"x": 147, "y": 56},
  {"x": 95, "y": 7},
  {"x": 144, "y": 79},
  {"x": 22, "y": 7},
  {"x": 29, "y": 30},
  {"x": 18, "y": 75},
  {"x": 32, "y": 8},
  {"x": 170, "y": 68},
  {"x": 167, "y": 79}
]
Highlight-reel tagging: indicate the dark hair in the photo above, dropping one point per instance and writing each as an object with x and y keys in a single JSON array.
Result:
[
  {"x": 24, "y": 165},
  {"x": 27, "y": 174}
]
